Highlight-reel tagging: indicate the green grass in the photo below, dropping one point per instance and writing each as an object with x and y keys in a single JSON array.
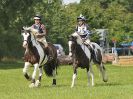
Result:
[{"x": 14, "y": 86}]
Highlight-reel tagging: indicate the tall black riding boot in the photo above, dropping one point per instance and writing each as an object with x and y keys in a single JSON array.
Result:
[{"x": 48, "y": 54}]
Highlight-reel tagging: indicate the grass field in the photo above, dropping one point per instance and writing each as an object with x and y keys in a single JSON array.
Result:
[{"x": 14, "y": 86}]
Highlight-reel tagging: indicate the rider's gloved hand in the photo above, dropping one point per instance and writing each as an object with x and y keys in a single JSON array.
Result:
[{"x": 83, "y": 39}]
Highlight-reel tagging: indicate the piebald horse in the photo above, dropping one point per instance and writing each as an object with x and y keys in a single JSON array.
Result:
[
  {"x": 35, "y": 55},
  {"x": 83, "y": 55}
]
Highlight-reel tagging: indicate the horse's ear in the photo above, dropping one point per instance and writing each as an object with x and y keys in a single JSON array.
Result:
[{"x": 22, "y": 28}]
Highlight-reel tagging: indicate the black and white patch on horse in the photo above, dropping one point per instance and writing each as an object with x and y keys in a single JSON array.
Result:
[
  {"x": 35, "y": 55},
  {"x": 83, "y": 55},
  {"x": 97, "y": 51}
]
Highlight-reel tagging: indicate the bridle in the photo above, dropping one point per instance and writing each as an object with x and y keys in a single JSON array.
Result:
[
  {"x": 28, "y": 36},
  {"x": 29, "y": 39}
]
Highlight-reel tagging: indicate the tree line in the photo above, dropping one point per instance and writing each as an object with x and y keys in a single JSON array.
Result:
[{"x": 60, "y": 20}]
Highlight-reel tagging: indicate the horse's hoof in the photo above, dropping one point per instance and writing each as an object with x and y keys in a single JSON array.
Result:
[
  {"x": 29, "y": 79},
  {"x": 72, "y": 86},
  {"x": 93, "y": 84},
  {"x": 105, "y": 80},
  {"x": 32, "y": 85},
  {"x": 37, "y": 84},
  {"x": 53, "y": 84}
]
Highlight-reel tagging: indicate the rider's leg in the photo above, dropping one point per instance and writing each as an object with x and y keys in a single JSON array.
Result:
[
  {"x": 46, "y": 48},
  {"x": 87, "y": 42},
  {"x": 43, "y": 40}
]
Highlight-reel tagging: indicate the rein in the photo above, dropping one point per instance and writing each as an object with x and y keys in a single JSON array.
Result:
[{"x": 34, "y": 39}]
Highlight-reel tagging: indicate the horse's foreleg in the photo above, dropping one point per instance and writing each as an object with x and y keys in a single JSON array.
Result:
[
  {"x": 25, "y": 70},
  {"x": 88, "y": 74},
  {"x": 74, "y": 77},
  {"x": 70, "y": 50},
  {"x": 54, "y": 77},
  {"x": 34, "y": 75},
  {"x": 92, "y": 75},
  {"x": 38, "y": 82}
]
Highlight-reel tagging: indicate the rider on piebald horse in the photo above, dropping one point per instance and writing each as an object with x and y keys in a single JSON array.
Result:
[
  {"x": 82, "y": 30},
  {"x": 40, "y": 36}
]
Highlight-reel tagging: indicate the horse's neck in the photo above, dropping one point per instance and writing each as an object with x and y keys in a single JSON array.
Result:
[
  {"x": 34, "y": 41},
  {"x": 77, "y": 50},
  {"x": 30, "y": 48},
  {"x": 32, "y": 44},
  {"x": 79, "y": 40},
  {"x": 82, "y": 51}
]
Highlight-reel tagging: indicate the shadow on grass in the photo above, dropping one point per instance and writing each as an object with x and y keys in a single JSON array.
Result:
[
  {"x": 53, "y": 86},
  {"x": 99, "y": 85},
  {"x": 108, "y": 84},
  {"x": 11, "y": 65}
]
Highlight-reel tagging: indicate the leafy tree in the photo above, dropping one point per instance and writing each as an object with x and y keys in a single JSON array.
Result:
[{"x": 60, "y": 20}]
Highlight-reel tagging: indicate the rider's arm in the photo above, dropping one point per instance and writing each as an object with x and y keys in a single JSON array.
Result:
[
  {"x": 76, "y": 28},
  {"x": 44, "y": 30}
]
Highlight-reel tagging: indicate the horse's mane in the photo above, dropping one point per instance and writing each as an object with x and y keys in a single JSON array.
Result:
[{"x": 31, "y": 29}]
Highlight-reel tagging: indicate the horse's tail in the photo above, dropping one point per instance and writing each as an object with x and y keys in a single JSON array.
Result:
[
  {"x": 50, "y": 66},
  {"x": 48, "y": 69}
]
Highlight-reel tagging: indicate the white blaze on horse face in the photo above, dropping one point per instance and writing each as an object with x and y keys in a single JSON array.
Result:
[
  {"x": 70, "y": 50},
  {"x": 25, "y": 36}
]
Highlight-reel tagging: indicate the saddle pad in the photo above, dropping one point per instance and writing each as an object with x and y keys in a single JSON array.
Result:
[{"x": 86, "y": 50}]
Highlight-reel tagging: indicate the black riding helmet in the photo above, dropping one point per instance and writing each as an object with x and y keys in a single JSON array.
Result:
[
  {"x": 37, "y": 17},
  {"x": 81, "y": 18}
]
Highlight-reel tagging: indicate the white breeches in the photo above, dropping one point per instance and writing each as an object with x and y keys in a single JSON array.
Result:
[{"x": 43, "y": 40}]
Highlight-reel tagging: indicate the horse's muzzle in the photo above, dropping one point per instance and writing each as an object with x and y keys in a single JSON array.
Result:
[
  {"x": 70, "y": 54},
  {"x": 24, "y": 44}
]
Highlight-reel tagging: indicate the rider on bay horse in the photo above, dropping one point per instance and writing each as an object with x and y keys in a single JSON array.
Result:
[
  {"x": 82, "y": 30},
  {"x": 40, "y": 36}
]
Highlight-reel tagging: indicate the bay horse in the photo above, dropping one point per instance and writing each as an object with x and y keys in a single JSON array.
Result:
[
  {"x": 35, "y": 54},
  {"x": 83, "y": 55}
]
